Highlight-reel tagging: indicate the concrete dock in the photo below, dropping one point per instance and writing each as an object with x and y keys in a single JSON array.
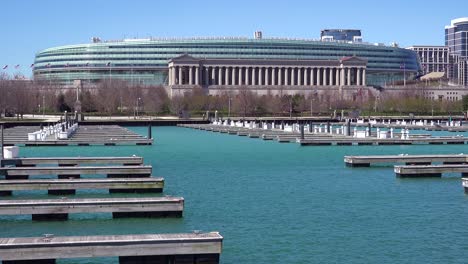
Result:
[
  {"x": 365, "y": 161},
  {"x": 58, "y": 209},
  {"x": 191, "y": 248},
  {"x": 75, "y": 172},
  {"x": 69, "y": 186},
  {"x": 327, "y": 139},
  {"x": 85, "y": 135},
  {"x": 72, "y": 161},
  {"x": 430, "y": 170}
]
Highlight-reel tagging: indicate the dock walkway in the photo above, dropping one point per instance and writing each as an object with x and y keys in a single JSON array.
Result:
[
  {"x": 430, "y": 170},
  {"x": 69, "y": 186},
  {"x": 72, "y": 161},
  {"x": 58, "y": 209},
  {"x": 327, "y": 139},
  {"x": 189, "y": 248},
  {"x": 75, "y": 172},
  {"x": 366, "y": 161},
  {"x": 85, "y": 135}
]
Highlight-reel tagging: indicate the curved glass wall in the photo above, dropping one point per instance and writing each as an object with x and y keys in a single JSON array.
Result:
[{"x": 145, "y": 61}]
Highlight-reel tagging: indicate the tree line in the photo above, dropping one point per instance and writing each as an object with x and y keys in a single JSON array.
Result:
[{"x": 19, "y": 97}]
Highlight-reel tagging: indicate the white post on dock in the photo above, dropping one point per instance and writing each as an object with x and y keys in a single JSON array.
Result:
[{"x": 1, "y": 145}]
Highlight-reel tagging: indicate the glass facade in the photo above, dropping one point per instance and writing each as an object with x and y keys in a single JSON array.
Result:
[
  {"x": 146, "y": 61},
  {"x": 456, "y": 37}
]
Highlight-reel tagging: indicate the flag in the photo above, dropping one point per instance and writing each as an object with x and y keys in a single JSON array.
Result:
[
  {"x": 17, "y": 66},
  {"x": 4, "y": 67},
  {"x": 108, "y": 64},
  {"x": 87, "y": 64},
  {"x": 32, "y": 65}
]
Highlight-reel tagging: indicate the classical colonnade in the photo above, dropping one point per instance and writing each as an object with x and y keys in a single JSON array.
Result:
[{"x": 267, "y": 75}]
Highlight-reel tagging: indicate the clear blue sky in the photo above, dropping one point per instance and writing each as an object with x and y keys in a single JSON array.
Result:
[{"x": 32, "y": 25}]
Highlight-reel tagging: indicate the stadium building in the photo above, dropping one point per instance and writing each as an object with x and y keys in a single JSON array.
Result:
[{"x": 226, "y": 63}]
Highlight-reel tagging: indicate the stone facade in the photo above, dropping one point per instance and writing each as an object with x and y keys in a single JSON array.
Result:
[{"x": 220, "y": 75}]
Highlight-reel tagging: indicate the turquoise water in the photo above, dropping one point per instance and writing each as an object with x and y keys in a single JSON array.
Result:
[{"x": 282, "y": 203}]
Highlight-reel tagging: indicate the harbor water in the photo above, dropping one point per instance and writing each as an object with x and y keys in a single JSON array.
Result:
[{"x": 280, "y": 203}]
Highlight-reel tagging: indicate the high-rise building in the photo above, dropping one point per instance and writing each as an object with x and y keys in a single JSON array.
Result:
[{"x": 456, "y": 39}]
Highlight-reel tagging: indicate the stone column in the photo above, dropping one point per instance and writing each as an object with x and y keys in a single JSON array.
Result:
[
  {"x": 220, "y": 75},
  {"x": 241, "y": 71},
  {"x": 364, "y": 77},
  {"x": 207, "y": 76},
  {"x": 247, "y": 75},
  {"x": 169, "y": 77},
  {"x": 293, "y": 76},
  {"x": 179, "y": 77},
  {"x": 358, "y": 80},
  {"x": 348, "y": 81},
  {"x": 267, "y": 76},
  {"x": 273, "y": 76},
  {"x": 226, "y": 76},
  {"x": 280, "y": 76},
  {"x": 342, "y": 78},
  {"x": 190, "y": 82},
  {"x": 213, "y": 76},
  {"x": 312, "y": 76},
  {"x": 306, "y": 76},
  {"x": 319, "y": 76},
  {"x": 197, "y": 75},
  {"x": 172, "y": 75},
  {"x": 286, "y": 76},
  {"x": 254, "y": 76},
  {"x": 233, "y": 75},
  {"x": 299, "y": 76},
  {"x": 325, "y": 76},
  {"x": 337, "y": 76},
  {"x": 330, "y": 77},
  {"x": 260, "y": 76}
]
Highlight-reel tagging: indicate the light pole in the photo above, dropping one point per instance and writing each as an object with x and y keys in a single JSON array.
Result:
[
  {"x": 43, "y": 105},
  {"x": 137, "y": 108},
  {"x": 312, "y": 105},
  {"x": 229, "y": 107},
  {"x": 290, "y": 106}
]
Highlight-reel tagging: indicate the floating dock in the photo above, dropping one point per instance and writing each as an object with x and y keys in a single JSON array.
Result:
[
  {"x": 192, "y": 248},
  {"x": 85, "y": 135},
  {"x": 69, "y": 186},
  {"x": 327, "y": 139},
  {"x": 430, "y": 170},
  {"x": 386, "y": 141},
  {"x": 58, "y": 209},
  {"x": 366, "y": 161},
  {"x": 72, "y": 161},
  {"x": 75, "y": 172}
]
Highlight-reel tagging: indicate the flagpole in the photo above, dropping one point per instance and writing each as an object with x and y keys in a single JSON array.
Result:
[{"x": 404, "y": 75}]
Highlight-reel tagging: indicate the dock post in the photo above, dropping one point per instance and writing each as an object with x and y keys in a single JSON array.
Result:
[
  {"x": 282, "y": 125},
  {"x": 348, "y": 128},
  {"x": 1, "y": 146},
  {"x": 150, "y": 136},
  {"x": 301, "y": 127},
  {"x": 369, "y": 127},
  {"x": 328, "y": 127}
]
